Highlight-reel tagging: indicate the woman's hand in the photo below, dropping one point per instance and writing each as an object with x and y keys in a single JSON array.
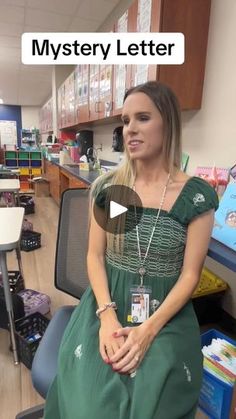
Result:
[
  {"x": 108, "y": 343},
  {"x": 137, "y": 342}
]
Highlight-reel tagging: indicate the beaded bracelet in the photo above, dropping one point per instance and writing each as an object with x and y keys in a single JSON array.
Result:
[{"x": 104, "y": 307}]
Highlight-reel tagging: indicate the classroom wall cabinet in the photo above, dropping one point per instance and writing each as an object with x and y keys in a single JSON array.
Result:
[
  {"x": 95, "y": 92},
  {"x": 81, "y": 93},
  {"x": 189, "y": 17},
  {"x": 45, "y": 117},
  {"x": 28, "y": 162}
]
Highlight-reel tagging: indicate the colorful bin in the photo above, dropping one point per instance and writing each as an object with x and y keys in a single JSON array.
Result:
[
  {"x": 24, "y": 171},
  {"x": 36, "y": 172},
  {"x": 23, "y": 155},
  {"x": 216, "y": 397}
]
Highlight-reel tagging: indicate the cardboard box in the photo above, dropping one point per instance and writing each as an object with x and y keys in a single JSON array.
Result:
[{"x": 41, "y": 187}]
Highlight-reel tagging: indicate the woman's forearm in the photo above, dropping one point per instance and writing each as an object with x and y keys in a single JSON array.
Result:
[
  {"x": 175, "y": 300},
  {"x": 98, "y": 278}
]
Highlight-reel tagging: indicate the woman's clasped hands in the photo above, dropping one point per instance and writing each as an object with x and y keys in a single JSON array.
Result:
[{"x": 125, "y": 347}]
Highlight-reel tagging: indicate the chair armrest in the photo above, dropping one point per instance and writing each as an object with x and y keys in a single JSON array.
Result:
[{"x": 44, "y": 365}]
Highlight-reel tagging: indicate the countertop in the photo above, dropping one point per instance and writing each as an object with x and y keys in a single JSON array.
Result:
[{"x": 86, "y": 176}]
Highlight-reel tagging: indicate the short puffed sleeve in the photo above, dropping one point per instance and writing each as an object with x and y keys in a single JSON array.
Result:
[{"x": 196, "y": 197}]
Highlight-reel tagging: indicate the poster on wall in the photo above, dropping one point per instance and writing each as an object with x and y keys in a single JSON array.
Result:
[{"x": 8, "y": 135}]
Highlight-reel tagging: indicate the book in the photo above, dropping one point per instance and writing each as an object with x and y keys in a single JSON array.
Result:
[
  {"x": 224, "y": 229},
  {"x": 218, "y": 177},
  {"x": 184, "y": 161}
]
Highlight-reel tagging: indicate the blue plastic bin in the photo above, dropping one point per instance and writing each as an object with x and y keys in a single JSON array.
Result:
[{"x": 216, "y": 396}]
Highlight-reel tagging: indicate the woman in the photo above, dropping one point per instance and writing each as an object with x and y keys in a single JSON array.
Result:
[{"x": 122, "y": 364}]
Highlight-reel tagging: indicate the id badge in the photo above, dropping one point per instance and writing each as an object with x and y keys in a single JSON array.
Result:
[{"x": 139, "y": 304}]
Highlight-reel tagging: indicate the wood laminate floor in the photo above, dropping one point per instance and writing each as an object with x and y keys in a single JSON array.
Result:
[{"x": 16, "y": 390}]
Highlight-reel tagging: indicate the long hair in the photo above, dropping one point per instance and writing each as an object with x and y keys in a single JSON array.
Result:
[{"x": 167, "y": 104}]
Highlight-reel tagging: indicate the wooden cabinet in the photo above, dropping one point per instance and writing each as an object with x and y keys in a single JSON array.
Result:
[
  {"x": 45, "y": 117},
  {"x": 105, "y": 90},
  {"x": 81, "y": 93},
  {"x": 68, "y": 181},
  {"x": 77, "y": 183},
  {"x": 52, "y": 173},
  {"x": 190, "y": 17},
  {"x": 94, "y": 85},
  {"x": 122, "y": 77},
  {"x": 61, "y": 106},
  {"x": 70, "y": 100}
]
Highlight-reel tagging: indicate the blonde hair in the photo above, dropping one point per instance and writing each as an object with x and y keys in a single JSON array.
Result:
[{"x": 166, "y": 102}]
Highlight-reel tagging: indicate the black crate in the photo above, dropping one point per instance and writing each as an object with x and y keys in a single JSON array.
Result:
[
  {"x": 30, "y": 240},
  {"x": 16, "y": 281},
  {"x": 29, "y": 332},
  {"x": 27, "y": 202}
]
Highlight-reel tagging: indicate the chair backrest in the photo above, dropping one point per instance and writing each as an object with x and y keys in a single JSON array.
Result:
[{"x": 72, "y": 243}]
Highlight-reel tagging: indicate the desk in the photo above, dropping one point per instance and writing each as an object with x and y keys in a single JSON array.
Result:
[
  {"x": 12, "y": 186},
  {"x": 11, "y": 220}
]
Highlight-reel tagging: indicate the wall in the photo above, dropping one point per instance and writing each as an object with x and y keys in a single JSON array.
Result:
[
  {"x": 30, "y": 117},
  {"x": 209, "y": 134},
  {"x": 12, "y": 113}
]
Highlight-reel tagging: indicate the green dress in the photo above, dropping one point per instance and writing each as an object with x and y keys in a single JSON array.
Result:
[{"x": 168, "y": 381}]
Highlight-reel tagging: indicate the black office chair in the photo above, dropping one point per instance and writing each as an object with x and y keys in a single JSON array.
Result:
[{"x": 71, "y": 278}]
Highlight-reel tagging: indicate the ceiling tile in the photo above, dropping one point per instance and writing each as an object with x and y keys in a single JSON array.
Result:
[
  {"x": 83, "y": 25},
  {"x": 41, "y": 72},
  {"x": 47, "y": 20},
  {"x": 13, "y": 2},
  {"x": 11, "y": 14},
  {"x": 10, "y": 29},
  {"x": 98, "y": 10},
  {"x": 67, "y": 7},
  {"x": 27, "y": 88},
  {"x": 13, "y": 54},
  {"x": 10, "y": 41}
]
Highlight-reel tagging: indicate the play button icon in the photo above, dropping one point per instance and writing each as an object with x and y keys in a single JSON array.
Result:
[{"x": 117, "y": 209}]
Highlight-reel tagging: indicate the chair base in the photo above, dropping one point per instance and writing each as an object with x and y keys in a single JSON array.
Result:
[{"x": 35, "y": 412}]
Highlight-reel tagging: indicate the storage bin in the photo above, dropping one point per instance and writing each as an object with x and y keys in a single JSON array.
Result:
[
  {"x": 23, "y": 163},
  {"x": 30, "y": 240},
  {"x": 16, "y": 281},
  {"x": 10, "y": 155},
  {"x": 36, "y": 172},
  {"x": 216, "y": 397},
  {"x": 24, "y": 171},
  {"x": 35, "y": 155},
  {"x": 11, "y": 163},
  {"x": 27, "y": 202},
  {"x": 24, "y": 186},
  {"x": 24, "y": 178},
  {"x": 23, "y": 155},
  {"x": 36, "y": 163},
  {"x": 29, "y": 332}
]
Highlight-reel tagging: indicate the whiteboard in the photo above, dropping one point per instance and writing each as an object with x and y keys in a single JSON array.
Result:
[{"x": 8, "y": 134}]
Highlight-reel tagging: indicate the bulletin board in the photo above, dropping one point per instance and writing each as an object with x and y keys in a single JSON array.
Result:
[{"x": 8, "y": 133}]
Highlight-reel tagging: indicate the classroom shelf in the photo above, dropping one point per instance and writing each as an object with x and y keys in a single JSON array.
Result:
[
  {"x": 222, "y": 254},
  {"x": 29, "y": 163}
]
